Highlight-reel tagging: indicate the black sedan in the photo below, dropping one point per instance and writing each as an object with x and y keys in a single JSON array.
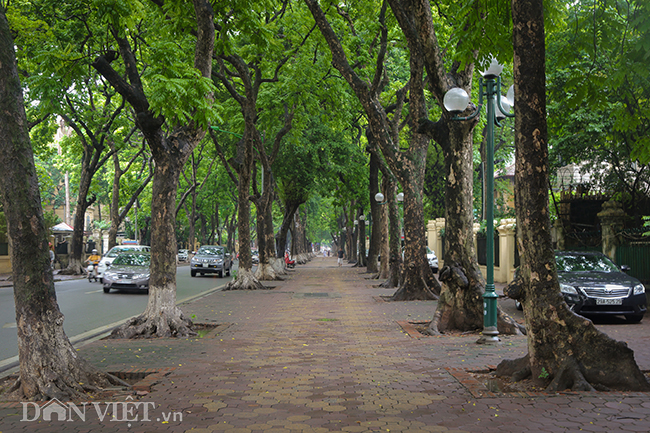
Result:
[{"x": 592, "y": 285}]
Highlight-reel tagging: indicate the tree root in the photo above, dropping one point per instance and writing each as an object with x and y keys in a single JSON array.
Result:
[
  {"x": 461, "y": 308},
  {"x": 76, "y": 382},
  {"x": 164, "y": 325},
  {"x": 388, "y": 284},
  {"x": 404, "y": 294},
  {"x": 266, "y": 272},
  {"x": 74, "y": 268},
  {"x": 507, "y": 325},
  {"x": 571, "y": 376},
  {"x": 245, "y": 281},
  {"x": 517, "y": 369}
]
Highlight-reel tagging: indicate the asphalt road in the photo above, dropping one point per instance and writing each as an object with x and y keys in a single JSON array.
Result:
[{"x": 88, "y": 310}]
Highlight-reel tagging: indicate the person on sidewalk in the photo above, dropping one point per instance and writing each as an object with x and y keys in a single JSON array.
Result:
[{"x": 340, "y": 257}]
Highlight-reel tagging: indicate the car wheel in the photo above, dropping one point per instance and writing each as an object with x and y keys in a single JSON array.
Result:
[
  {"x": 107, "y": 289},
  {"x": 634, "y": 318},
  {"x": 519, "y": 306},
  {"x": 193, "y": 273}
]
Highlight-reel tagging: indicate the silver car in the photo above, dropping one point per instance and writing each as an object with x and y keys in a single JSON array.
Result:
[
  {"x": 129, "y": 270},
  {"x": 106, "y": 261},
  {"x": 211, "y": 259},
  {"x": 433, "y": 260}
]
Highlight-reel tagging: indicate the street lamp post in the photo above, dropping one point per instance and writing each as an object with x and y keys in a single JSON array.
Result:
[{"x": 456, "y": 100}]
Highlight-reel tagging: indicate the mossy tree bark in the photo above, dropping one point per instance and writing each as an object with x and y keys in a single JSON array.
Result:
[
  {"x": 562, "y": 346},
  {"x": 49, "y": 366}
]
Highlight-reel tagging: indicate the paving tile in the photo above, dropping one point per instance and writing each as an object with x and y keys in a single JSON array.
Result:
[{"x": 286, "y": 360}]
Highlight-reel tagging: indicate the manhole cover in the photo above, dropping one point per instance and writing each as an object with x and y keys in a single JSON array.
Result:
[{"x": 316, "y": 295}]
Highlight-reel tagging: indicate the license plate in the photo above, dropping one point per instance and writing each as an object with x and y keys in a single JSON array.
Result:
[{"x": 602, "y": 301}]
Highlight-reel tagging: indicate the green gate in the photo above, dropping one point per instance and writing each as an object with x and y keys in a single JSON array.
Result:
[{"x": 636, "y": 255}]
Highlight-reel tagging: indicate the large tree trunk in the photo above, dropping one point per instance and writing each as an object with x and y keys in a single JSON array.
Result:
[
  {"x": 76, "y": 262},
  {"x": 290, "y": 208},
  {"x": 245, "y": 278},
  {"x": 460, "y": 305},
  {"x": 49, "y": 366},
  {"x": 394, "y": 238},
  {"x": 382, "y": 222},
  {"x": 265, "y": 269},
  {"x": 376, "y": 211},
  {"x": 162, "y": 318},
  {"x": 361, "y": 241},
  {"x": 566, "y": 348},
  {"x": 418, "y": 282}
]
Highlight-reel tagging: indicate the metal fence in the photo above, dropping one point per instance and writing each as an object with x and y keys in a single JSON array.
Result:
[{"x": 637, "y": 256}]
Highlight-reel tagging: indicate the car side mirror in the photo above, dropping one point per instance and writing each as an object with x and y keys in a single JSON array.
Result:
[{"x": 625, "y": 268}]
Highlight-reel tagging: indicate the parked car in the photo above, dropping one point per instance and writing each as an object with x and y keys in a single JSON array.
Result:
[
  {"x": 592, "y": 285},
  {"x": 105, "y": 262},
  {"x": 210, "y": 259},
  {"x": 255, "y": 257},
  {"x": 129, "y": 270},
  {"x": 183, "y": 255},
  {"x": 433, "y": 260}
]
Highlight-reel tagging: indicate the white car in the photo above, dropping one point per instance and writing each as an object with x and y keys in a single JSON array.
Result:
[
  {"x": 433, "y": 260},
  {"x": 113, "y": 253},
  {"x": 183, "y": 255}
]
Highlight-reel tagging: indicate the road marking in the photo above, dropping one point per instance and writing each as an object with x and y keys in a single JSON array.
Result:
[
  {"x": 94, "y": 291},
  {"x": 10, "y": 325}
]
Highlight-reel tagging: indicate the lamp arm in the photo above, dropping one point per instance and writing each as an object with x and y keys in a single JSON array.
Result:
[
  {"x": 499, "y": 101},
  {"x": 471, "y": 116}
]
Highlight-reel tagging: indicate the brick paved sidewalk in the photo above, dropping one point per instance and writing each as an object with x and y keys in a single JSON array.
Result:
[{"x": 322, "y": 352}]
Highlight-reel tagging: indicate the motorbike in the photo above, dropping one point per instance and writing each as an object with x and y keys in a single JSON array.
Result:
[{"x": 92, "y": 272}]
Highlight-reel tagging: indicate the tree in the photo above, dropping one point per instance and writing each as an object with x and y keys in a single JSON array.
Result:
[
  {"x": 408, "y": 165},
  {"x": 49, "y": 365},
  {"x": 89, "y": 108},
  {"x": 92, "y": 133},
  {"x": 172, "y": 114},
  {"x": 599, "y": 93},
  {"x": 194, "y": 187},
  {"x": 563, "y": 346},
  {"x": 118, "y": 214},
  {"x": 460, "y": 305}
]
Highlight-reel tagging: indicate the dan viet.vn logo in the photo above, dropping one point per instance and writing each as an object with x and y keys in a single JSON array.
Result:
[{"x": 128, "y": 411}]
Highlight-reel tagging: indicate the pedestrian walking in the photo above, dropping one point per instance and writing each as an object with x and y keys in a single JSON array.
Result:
[{"x": 340, "y": 257}]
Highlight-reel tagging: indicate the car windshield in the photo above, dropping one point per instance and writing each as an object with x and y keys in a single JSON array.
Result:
[
  {"x": 584, "y": 263},
  {"x": 210, "y": 251},
  {"x": 114, "y": 252},
  {"x": 132, "y": 259}
]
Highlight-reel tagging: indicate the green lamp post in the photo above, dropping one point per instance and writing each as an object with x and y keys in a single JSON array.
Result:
[{"x": 456, "y": 100}]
